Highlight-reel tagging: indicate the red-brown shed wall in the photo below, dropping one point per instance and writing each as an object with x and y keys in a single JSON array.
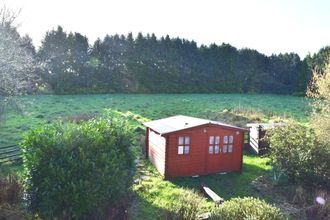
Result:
[{"x": 199, "y": 161}]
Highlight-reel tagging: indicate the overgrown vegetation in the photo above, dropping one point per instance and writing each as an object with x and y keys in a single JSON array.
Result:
[
  {"x": 10, "y": 190},
  {"x": 189, "y": 206},
  {"x": 297, "y": 152},
  {"x": 303, "y": 152},
  {"x": 11, "y": 194},
  {"x": 78, "y": 171},
  {"x": 319, "y": 90},
  {"x": 246, "y": 208}
]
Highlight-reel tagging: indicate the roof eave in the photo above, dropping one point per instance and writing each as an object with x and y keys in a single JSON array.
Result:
[{"x": 209, "y": 123}]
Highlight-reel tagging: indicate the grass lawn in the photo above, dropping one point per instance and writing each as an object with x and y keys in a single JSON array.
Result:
[
  {"x": 155, "y": 195},
  {"x": 46, "y": 108}
]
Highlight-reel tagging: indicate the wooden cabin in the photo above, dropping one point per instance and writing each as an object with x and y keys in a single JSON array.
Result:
[
  {"x": 188, "y": 146},
  {"x": 257, "y": 133}
]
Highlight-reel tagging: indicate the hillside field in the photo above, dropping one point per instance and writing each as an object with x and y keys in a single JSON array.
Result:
[
  {"x": 153, "y": 195},
  {"x": 42, "y": 109}
]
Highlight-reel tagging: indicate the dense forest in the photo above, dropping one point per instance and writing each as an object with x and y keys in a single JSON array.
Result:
[{"x": 147, "y": 64}]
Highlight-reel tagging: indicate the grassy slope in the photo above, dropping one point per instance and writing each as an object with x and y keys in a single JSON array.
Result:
[{"x": 42, "y": 109}]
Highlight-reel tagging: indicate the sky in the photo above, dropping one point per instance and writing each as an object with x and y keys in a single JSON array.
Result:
[{"x": 269, "y": 26}]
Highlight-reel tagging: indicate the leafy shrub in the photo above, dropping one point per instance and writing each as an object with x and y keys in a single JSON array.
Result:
[
  {"x": 77, "y": 171},
  {"x": 188, "y": 207},
  {"x": 246, "y": 208},
  {"x": 319, "y": 91},
  {"x": 296, "y": 150}
]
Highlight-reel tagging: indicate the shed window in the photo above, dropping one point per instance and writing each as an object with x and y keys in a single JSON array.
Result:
[
  {"x": 225, "y": 139},
  {"x": 183, "y": 145},
  {"x": 210, "y": 149},
  {"x": 225, "y": 148},
  {"x": 228, "y": 144},
  {"x": 216, "y": 149},
  {"x": 214, "y": 142}
]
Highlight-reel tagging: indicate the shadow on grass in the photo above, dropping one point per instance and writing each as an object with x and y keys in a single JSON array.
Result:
[
  {"x": 144, "y": 210},
  {"x": 152, "y": 194},
  {"x": 155, "y": 196},
  {"x": 227, "y": 185}
]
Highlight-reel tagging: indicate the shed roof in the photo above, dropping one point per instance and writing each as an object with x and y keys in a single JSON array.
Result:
[{"x": 181, "y": 122}]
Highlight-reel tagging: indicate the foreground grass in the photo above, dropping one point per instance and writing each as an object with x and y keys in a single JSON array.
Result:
[
  {"x": 156, "y": 196},
  {"x": 47, "y": 108}
]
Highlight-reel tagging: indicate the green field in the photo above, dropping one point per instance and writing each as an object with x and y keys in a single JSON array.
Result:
[
  {"x": 154, "y": 196},
  {"x": 46, "y": 108}
]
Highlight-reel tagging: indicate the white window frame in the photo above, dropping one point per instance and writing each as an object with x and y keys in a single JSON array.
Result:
[
  {"x": 230, "y": 148},
  {"x": 228, "y": 142},
  {"x": 184, "y": 145},
  {"x": 214, "y": 144}
]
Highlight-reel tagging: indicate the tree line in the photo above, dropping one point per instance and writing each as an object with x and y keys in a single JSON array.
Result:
[{"x": 66, "y": 63}]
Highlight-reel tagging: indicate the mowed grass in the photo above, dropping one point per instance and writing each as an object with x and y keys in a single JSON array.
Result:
[
  {"x": 155, "y": 196},
  {"x": 42, "y": 109}
]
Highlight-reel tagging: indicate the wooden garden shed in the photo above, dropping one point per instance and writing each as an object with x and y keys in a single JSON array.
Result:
[{"x": 188, "y": 146}]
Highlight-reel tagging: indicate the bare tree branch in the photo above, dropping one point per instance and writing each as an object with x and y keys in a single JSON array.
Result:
[
  {"x": 8, "y": 17},
  {"x": 17, "y": 63}
]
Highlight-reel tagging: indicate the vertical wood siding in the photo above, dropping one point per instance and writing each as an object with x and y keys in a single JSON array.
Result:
[
  {"x": 199, "y": 161},
  {"x": 156, "y": 150}
]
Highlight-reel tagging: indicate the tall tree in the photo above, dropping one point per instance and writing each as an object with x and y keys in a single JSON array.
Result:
[
  {"x": 147, "y": 64},
  {"x": 68, "y": 57},
  {"x": 17, "y": 65},
  {"x": 78, "y": 63},
  {"x": 54, "y": 52},
  {"x": 317, "y": 61}
]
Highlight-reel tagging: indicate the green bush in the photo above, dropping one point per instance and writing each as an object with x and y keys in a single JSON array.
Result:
[
  {"x": 246, "y": 208},
  {"x": 77, "y": 171},
  {"x": 296, "y": 150},
  {"x": 189, "y": 206}
]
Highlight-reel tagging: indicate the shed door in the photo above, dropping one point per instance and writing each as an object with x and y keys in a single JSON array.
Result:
[
  {"x": 228, "y": 151},
  {"x": 213, "y": 154}
]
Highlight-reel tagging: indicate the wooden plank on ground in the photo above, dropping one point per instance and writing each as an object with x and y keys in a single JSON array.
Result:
[{"x": 210, "y": 193}]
